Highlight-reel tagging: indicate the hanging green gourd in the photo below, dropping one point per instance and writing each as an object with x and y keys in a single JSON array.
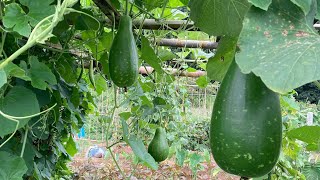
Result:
[
  {"x": 123, "y": 57},
  {"x": 158, "y": 147},
  {"x": 246, "y": 125}
]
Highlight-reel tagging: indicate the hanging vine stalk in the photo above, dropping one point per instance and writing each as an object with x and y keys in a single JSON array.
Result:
[{"x": 17, "y": 118}]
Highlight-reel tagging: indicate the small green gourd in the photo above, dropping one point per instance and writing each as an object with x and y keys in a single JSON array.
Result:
[{"x": 158, "y": 147}]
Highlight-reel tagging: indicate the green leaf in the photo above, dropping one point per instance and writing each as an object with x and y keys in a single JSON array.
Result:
[
  {"x": 85, "y": 22},
  {"x": 202, "y": 82},
  {"x": 289, "y": 103},
  {"x": 152, "y": 4},
  {"x": 190, "y": 69},
  {"x": 219, "y": 17},
  {"x": 185, "y": 2},
  {"x": 39, "y": 130},
  {"x": 125, "y": 129},
  {"x": 97, "y": 45},
  {"x": 308, "y": 134},
  {"x": 318, "y": 10},
  {"x": 14, "y": 146},
  {"x": 19, "y": 101},
  {"x": 166, "y": 55},
  {"x": 291, "y": 149},
  {"x": 66, "y": 69},
  {"x": 175, "y": 3},
  {"x": 158, "y": 101},
  {"x": 263, "y": 4},
  {"x": 3, "y": 77},
  {"x": 313, "y": 147},
  {"x": 195, "y": 160},
  {"x": 125, "y": 115},
  {"x": 149, "y": 56},
  {"x": 15, "y": 17},
  {"x": 101, "y": 84},
  {"x": 218, "y": 64},
  {"x": 116, "y": 3},
  {"x": 305, "y": 5},
  {"x": 280, "y": 49},
  {"x": 60, "y": 147},
  {"x": 40, "y": 74},
  {"x": 140, "y": 151},
  {"x": 311, "y": 172},
  {"x": 15, "y": 71},
  {"x": 12, "y": 167},
  {"x": 180, "y": 156},
  {"x": 71, "y": 147},
  {"x": 104, "y": 60}
]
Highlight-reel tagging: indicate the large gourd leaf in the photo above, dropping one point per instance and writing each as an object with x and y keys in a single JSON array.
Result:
[
  {"x": 263, "y": 4},
  {"x": 219, "y": 17},
  {"x": 19, "y": 101},
  {"x": 149, "y": 56},
  {"x": 305, "y": 5},
  {"x": 308, "y": 134},
  {"x": 318, "y": 10},
  {"x": 220, "y": 62},
  {"x": 16, "y": 18},
  {"x": 12, "y": 167},
  {"x": 14, "y": 147},
  {"x": 281, "y": 46},
  {"x": 312, "y": 171},
  {"x": 40, "y": 74}
]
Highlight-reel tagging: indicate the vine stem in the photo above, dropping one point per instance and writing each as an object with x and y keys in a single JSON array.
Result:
[
  {"x": 16, "y": 54},
  {"x": 24, "y": 142},
  {"x": 15, "y": 119},
  {"x": 14, "y": 132},
  {"x": 108, "y": 128},
  {"x": 114, "y": 159},
  {"x": 112, "y": 114},
  {"x": 4, "y": 33},
  {"x": 164, "y": 7}
]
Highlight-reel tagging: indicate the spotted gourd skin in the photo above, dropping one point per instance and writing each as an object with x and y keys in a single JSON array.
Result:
[
  {"x": 246, "y": 125},
  {"x": 123, "y": 57}
]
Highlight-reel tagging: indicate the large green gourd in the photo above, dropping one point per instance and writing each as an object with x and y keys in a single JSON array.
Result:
[
  {"x": 123, "y": 58},
  {"x": 158, "y": 147},
  {"x": 246, "y": 125}
]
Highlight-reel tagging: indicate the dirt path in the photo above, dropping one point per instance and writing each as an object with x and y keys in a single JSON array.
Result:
[{"x": 105, "y": 168}]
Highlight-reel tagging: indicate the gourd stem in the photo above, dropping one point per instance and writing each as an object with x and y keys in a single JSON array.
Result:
[{"x": 127, "y": 7}]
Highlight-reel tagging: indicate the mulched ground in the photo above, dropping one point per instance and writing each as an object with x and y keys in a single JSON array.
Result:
[{"x": 105, "y": 168}]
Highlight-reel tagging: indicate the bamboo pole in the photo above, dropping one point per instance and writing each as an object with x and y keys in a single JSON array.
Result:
[{"x": 187, "y": 43}]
